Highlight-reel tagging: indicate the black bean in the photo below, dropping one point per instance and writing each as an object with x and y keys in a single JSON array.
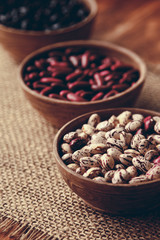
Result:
[{"x": 41, "y": 15}]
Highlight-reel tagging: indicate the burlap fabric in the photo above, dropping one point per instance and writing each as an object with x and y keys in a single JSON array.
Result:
[{"x": 35, "y": 202}]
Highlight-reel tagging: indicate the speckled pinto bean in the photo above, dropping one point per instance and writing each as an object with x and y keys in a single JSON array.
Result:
[
  {"x": 78, "y": 75},
  {"x": 111, "y": 150}
]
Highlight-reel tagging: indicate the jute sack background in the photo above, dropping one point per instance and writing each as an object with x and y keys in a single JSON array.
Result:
[{"x": 35, "y": 202}]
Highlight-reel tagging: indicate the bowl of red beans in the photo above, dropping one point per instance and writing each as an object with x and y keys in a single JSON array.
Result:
[
  {"x": 66, "y": 79},
  {"x": 28, "y": 25}
]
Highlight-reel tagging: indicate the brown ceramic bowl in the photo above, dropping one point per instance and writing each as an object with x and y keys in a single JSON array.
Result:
[
  {"x": 20, "y": 43},
  {"x": 111, "y": 198},
  {"x": 58, "y": 112}
]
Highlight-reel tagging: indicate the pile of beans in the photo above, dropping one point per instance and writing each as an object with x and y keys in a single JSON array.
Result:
[
  {"x": 122, "y": 149},
  {"x": 40, "y": 15},
  {"x": 79, "y": 75}
]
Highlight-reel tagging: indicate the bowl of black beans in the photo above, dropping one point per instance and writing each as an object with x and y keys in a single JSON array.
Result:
[{"x": 28, "y": 25}]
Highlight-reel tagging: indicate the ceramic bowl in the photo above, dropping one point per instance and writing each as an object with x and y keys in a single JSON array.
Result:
[
  {"x": 58, "y": 112},
  {"x": 19, "y": 43},
  {"x": 121, "y": 199}
]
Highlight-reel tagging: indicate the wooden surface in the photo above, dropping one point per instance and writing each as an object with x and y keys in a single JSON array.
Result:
[{"x": 132, "y": 24}]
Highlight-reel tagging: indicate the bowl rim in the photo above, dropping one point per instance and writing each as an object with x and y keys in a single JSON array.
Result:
[
  {"x": 63, "y": 165},
  {"x": 91, "y": 5},
  {"x": 90, "y": 43}
]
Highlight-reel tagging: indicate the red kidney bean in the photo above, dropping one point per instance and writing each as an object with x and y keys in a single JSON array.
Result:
[
  {"x": 119, "y": 67},
  {"x": 98, "y": 79},
  {"x": 112, "y": 76},
  {"x": 86, "y": 95},
  {"x": 46, "y": 91},
  {"x": 110, "y": 93},
  {"x": 86, "y": 72},
  {"x": 31, "y": 69},
  {"x": 104, "y": 66},
  {"x": 59, "y": 64},
  {"x": 74, "y": 98},
  {"x": 74, "y": 60},
  {"x": 31, "y": 77},
  {"x": 79, "y": 74},
  {"x": 102, "y": 88},
  {"x": 92, "y": 82},
  {"x": 41, "y": 63},
  {"x": 120, "y": 87},
  {"x": 104, "y": 73},
  {"x": 50, "y": 80},
  {"x": 79, "y": 92},
  {"x": 92, "y": 65},
  {"x": 91, "y": 72},
  {"x": 64, "y": 70},
  {"x": 44, "y": 74},
  {"x": 57, "y": 96},
  {"x": 108, "y": 61},
  {"x": 98, "y": 96},
  {"x": 85, "y": 59},
  {"x": 63, "y": 93},
  {"x": 60, "y": 73},
  {"x": 38, "y": 85},
  {"x": 156, "y": 161},
  {"x": 140, "y": 131},
  {"x": 92, "y": 58},
  {"x": 148, "y": 124},
  {"x": 56, "y": 87},
  {"x": 78, "y": 85}
]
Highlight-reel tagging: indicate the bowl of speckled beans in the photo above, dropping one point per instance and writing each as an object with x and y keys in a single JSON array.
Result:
[
  {"x": 111, "y": 159},
  {"x": 67, "y": 79},
  {"x": 28, "y": 25}
]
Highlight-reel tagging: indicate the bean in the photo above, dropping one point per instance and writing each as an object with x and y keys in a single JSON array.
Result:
[
  {"x": 77, "y": 143},
  {"x": 38, "y": 85},
  {"x": 50, "y": 80},
  {"x": 98, "y": 79},
  {"x": 46, "y": 91},
  {"x": 104, "y": 73},
  {"x": 107, "y": 86},
  {"x": 74, "y": 60},
  {"x": 82, "y": 72},
  {"x": 74, "y": 75},
  {"x": 85, "y": 59},
  {"x": 120, "y": 87},
  {"x": 119, "y": 67},
  {"x": 63, "y": 93},
  {"x": 57, "y": 96},
  {"x": 41, "y": 63},
  {"x": 108, "y": 152},
  {"x": 111, "y": 76},
  {"x": 110, "y": 93},
  {"x": 103, "y": 66},
  {"x": 98, "y": 96},
  {"x": 92, "y": 172},
  {"x": 73, "y": 97},
  {"x": 27, "y": 15},
  {"x": 78, "y": 85}
]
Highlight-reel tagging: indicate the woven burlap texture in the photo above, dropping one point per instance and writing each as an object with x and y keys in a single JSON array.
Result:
[{"x": 32, "y": 191}]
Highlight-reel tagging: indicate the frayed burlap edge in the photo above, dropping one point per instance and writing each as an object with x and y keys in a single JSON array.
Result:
[{"x": 21, "y": 231}]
